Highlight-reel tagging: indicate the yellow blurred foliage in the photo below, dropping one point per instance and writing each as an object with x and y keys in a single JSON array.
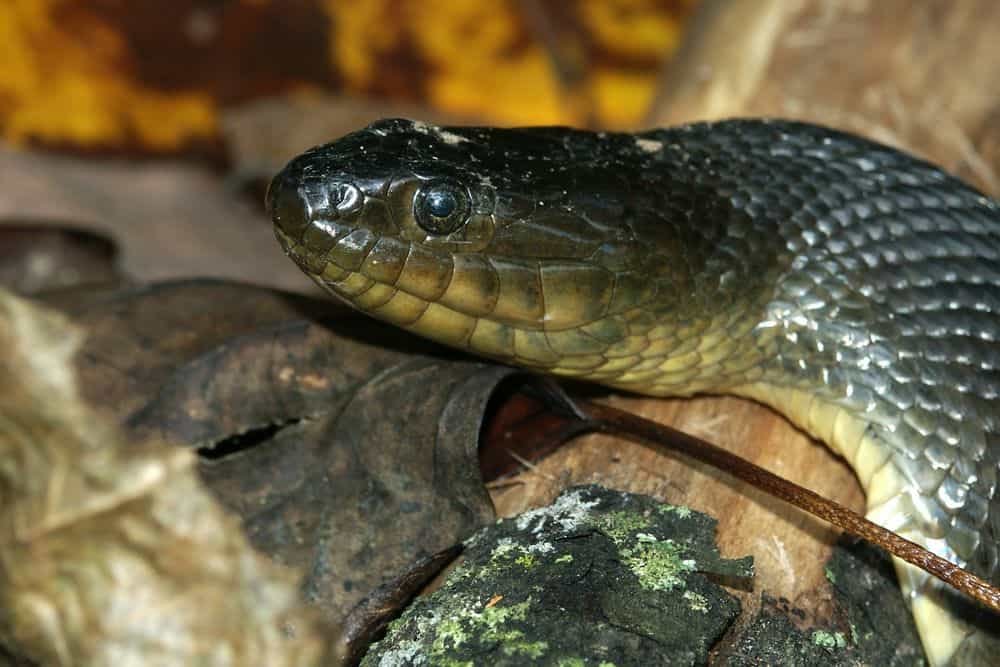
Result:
[
  {"x": 633, "y": 27},
  {"x": 481, "y": 65},
  {"x": 86, "y": 74},
  {"x": 486, "y": 62},
  {"x": 361, "y": 31},
  {"x": 480, "y": 69},
  {"x": 65, "y": 84},
  {"x": 621, "y": 98}
]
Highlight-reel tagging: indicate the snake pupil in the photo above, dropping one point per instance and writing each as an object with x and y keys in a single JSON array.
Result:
[{"x": 441, "y": 206}]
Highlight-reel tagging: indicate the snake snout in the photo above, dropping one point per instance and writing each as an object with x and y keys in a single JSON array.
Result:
[
  {"x": 287, "y": 207},
  {"x": 312, "y": 213}
]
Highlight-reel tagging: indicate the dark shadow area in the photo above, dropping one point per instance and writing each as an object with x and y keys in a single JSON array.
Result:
[{"x": 241, "y": 442}]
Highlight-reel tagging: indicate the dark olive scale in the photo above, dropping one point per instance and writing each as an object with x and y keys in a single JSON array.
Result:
[{"x": 833, "y": 277}]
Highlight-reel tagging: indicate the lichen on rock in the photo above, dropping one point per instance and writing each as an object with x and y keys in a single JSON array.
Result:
[{"x": 599, "y": 577}]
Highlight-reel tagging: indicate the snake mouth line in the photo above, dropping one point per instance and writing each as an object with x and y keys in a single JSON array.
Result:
[
  {"x": 431, "y": 319},
  {"x": 384, "y": 300},
  {"x": 574, "y": 352},
  {"x": 504, "y": 342},
  {"x": 307, "y": 258},
  {"x": 346, "y": 283}
]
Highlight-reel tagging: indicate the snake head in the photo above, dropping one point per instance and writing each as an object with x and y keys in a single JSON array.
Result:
[{"x": 485, "y": 238}]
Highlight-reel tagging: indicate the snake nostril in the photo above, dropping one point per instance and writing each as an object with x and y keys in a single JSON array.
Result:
[
  {"x": 345, "y": 198},
  {"x": 286, "y": 206}
]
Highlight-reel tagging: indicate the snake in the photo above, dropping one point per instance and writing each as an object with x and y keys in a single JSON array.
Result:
[{"x": 851, "y": 286}]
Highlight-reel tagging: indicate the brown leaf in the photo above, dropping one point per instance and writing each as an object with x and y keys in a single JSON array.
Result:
[
  {"x": 170, "y": 220},
  {"x": 111, "y": 552},
  {"x": 347, "y": 448}
]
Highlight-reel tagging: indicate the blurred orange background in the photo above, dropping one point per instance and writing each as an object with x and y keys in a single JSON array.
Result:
[{"x": 132, "y": 76}]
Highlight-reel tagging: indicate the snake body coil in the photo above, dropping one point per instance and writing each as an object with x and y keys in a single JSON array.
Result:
[{"x": 852, "y": 287}]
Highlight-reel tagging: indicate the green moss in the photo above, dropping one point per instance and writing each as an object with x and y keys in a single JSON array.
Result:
[
  {"x": 449, "y": 631},
  {"x": 681, "y": 511},
  {"x": 505, "y": 548},
  {"x": 829, "y": 640},
  {"x": 525, "y": 560},
  {"x": 658, "y": 564},
  {"x": 505, "y": 553},
  {"x": 527, "y": 649},
  {"x": 519, "y": 569},
  {"x": 831, "y": 576},
  {"x": 509, "y": 551},
  {"x": 494, "y": 617},
  {"x": 619, "y": 526},
  {"x": 486, "y": 625},
  {"x": 696, "y": 601}
]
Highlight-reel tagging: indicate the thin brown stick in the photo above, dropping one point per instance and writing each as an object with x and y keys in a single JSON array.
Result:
[{"x": 618, "y": 422}]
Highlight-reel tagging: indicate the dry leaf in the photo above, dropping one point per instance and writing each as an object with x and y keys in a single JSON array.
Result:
[
  {"x": 348, "y": 448},
  {"x": 112, "y": 553}
]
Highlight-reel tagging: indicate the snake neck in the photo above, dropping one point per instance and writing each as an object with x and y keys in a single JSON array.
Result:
[{"x": 663, "y": 355}]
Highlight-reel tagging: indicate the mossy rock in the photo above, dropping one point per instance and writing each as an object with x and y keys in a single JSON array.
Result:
[
  {"x": 867, "y": 624},
  {"x": 599, "y": 577}
]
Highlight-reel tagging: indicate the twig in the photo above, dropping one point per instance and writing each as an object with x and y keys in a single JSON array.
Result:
[{"x": 618, "y": 422}]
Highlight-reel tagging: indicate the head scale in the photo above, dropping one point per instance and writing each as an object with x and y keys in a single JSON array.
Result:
[{"x": 521, "y": 244}]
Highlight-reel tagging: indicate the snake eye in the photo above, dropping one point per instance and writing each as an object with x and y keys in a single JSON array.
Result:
[{"x": 441, "y": 206}]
